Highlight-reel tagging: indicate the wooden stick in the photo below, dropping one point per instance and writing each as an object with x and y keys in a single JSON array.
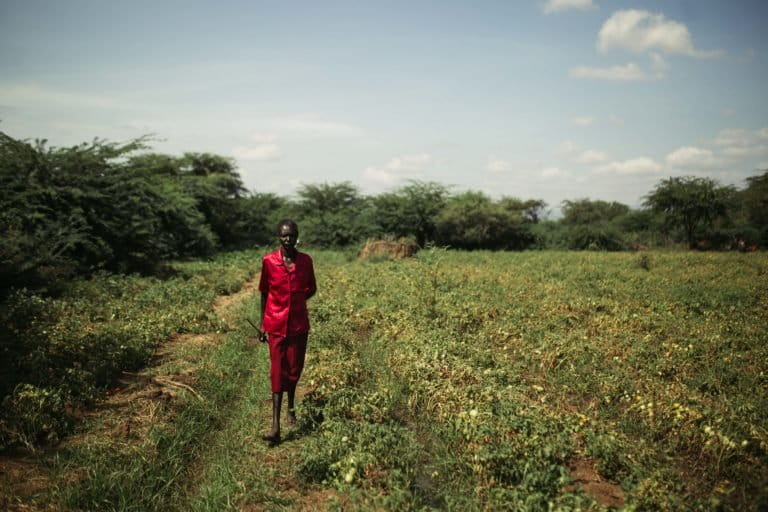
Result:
[
  {"x": 179, "y": 385},
  {"x": 253, "y": 324}
]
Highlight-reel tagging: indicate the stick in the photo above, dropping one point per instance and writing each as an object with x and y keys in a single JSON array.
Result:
[
  {"x": 253, "y": 324},
  {"x": 180, "y": 385}
]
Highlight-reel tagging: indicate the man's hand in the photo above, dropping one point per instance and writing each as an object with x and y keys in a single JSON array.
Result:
[{"x": 262, "y": 335}]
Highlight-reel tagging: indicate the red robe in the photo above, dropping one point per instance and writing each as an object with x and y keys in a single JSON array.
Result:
[{"x": 285, "y": 315}]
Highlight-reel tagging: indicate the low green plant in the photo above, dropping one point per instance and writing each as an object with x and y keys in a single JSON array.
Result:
[{"x": 60, "y": 353}]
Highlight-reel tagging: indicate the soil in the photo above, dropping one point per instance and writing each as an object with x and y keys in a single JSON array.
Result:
[{"x": 584, "y": 474}]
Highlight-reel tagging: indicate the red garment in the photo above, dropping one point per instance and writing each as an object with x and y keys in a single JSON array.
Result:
[
  {"x": 286, "y": 360},
  {"x": 285, "y": 313}
]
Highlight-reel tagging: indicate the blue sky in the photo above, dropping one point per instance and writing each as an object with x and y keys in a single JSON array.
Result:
[{"x": 548, "y": 99}]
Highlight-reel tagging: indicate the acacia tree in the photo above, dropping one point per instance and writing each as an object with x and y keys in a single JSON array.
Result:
[
  {"x": 333, "y": 214},
  {"x": 587, "y": 211},
  {"x": 411, "y": 210},
  {"x": 690, "y": 203},
  {"x": 532, "y": 210},
  {"x": 472, "y": 220}
]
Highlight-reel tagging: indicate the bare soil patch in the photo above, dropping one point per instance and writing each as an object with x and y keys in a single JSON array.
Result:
[
  {"x": 19, "y": 476},
  {"x": 584, "y": 474}
]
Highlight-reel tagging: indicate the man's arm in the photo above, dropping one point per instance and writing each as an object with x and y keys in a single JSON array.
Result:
[
  {"x": 312, "y": 283},
  {"x": 262, "y": 334}
]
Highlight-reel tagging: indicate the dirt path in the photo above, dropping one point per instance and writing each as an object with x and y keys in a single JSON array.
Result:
[
  {"x": 135, "y": 403},
  {"x": 282, "y": 463},
  {"x": 225, "y": 305},
  {"x": 266, "y": 478}
]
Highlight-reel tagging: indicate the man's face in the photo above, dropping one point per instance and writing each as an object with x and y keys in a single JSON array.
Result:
[{"x": 288, "y": 237}]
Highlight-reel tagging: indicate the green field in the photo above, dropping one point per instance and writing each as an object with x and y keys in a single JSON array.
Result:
[{"x": 458, "y": 381}]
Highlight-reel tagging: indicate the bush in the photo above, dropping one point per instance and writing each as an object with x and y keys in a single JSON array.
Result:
[{"x": 595, "y": 238}]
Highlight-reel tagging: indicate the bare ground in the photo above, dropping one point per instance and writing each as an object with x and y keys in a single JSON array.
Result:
[{"x": 583, "y": 472}]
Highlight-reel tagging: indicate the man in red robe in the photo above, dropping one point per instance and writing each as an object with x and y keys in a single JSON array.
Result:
[{"x": 287, "y": 282}]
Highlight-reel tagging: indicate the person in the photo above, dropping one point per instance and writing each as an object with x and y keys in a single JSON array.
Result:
[{"x": 287, "y": 282}]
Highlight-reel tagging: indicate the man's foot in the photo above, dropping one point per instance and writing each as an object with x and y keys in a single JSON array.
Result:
[
  {"x": 290, "y": 417},
  {"x": 272, "y": 438}
]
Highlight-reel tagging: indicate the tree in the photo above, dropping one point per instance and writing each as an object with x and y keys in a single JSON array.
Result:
[
  {"x": 754, "y": 202},
  {"x": 690, "y": 203},
  {"x": 411, "y": 210},
  {"x": 216, "y": 185},
  {"x": 529, "y": 209},
  {"x": 259, "y": 215},
  {"x": 333, "y": 214},
  {"x": 99, "y": 205},
  {"x": 586, "y": 211},
  {"x": 471, "y": 220}
]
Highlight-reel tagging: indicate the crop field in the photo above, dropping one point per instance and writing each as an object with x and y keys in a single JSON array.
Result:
[
  {"x": 449, "y": 381},
  {"x": 487, "y": 381}
]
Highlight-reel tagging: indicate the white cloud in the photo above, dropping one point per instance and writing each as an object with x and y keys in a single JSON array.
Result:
[
  {"x": 641, "y": 31},
  {"x": 576, "y": 153},
  {"x": 398, "y": 169},
  {"x": 691, "y": 157},
  {"x": 497, "y": 165},
  {"x": 583, "y": 121},
  {"x": 627, "y": 73},
  {"x": 641, "y": 165},
  {"x": 591, "y": 156},
  {"x": 314, "y": 127},
  {"x": 553, "y": 6},
  {"x": 743, "y": 143},
  {"x": 264, "y": 148}
]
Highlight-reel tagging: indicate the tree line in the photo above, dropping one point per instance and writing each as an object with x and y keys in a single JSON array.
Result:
[{"x": 121, "y": 207}]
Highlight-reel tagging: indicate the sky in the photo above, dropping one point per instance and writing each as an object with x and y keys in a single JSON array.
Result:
[{"x": 535, "y": 99}]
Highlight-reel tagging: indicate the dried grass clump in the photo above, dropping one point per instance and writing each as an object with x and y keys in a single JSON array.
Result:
[{"x": 389, "y": 249}]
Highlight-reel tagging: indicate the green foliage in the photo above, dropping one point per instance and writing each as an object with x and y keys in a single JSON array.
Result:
[
  {"x": 258, "y": 215},
  {"x": 411, "y": 210},
  {"x": 215, "y": 184},
  {"x": 457, "y": 381},
  {"x": 71, "y": 211},
  {"x": 754, "y": 201},
  {"x": 596, "y": 237},
  {"x": 332, "y": 214},
  {"x": 62, "y": 352},
  {"x": 33, "y": 415},
  {"x": 594, "y": 225},
  {"x": 690, "y": 204},
  {"x": 501, "y": 371},
  {"x": 471, "y": 220},
  {"x": 586, "y": 211},
  {"x": 531, "y": 210}
]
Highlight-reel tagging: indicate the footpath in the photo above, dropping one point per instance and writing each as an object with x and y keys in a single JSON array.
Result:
[{"x": 182, "y": 434}]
